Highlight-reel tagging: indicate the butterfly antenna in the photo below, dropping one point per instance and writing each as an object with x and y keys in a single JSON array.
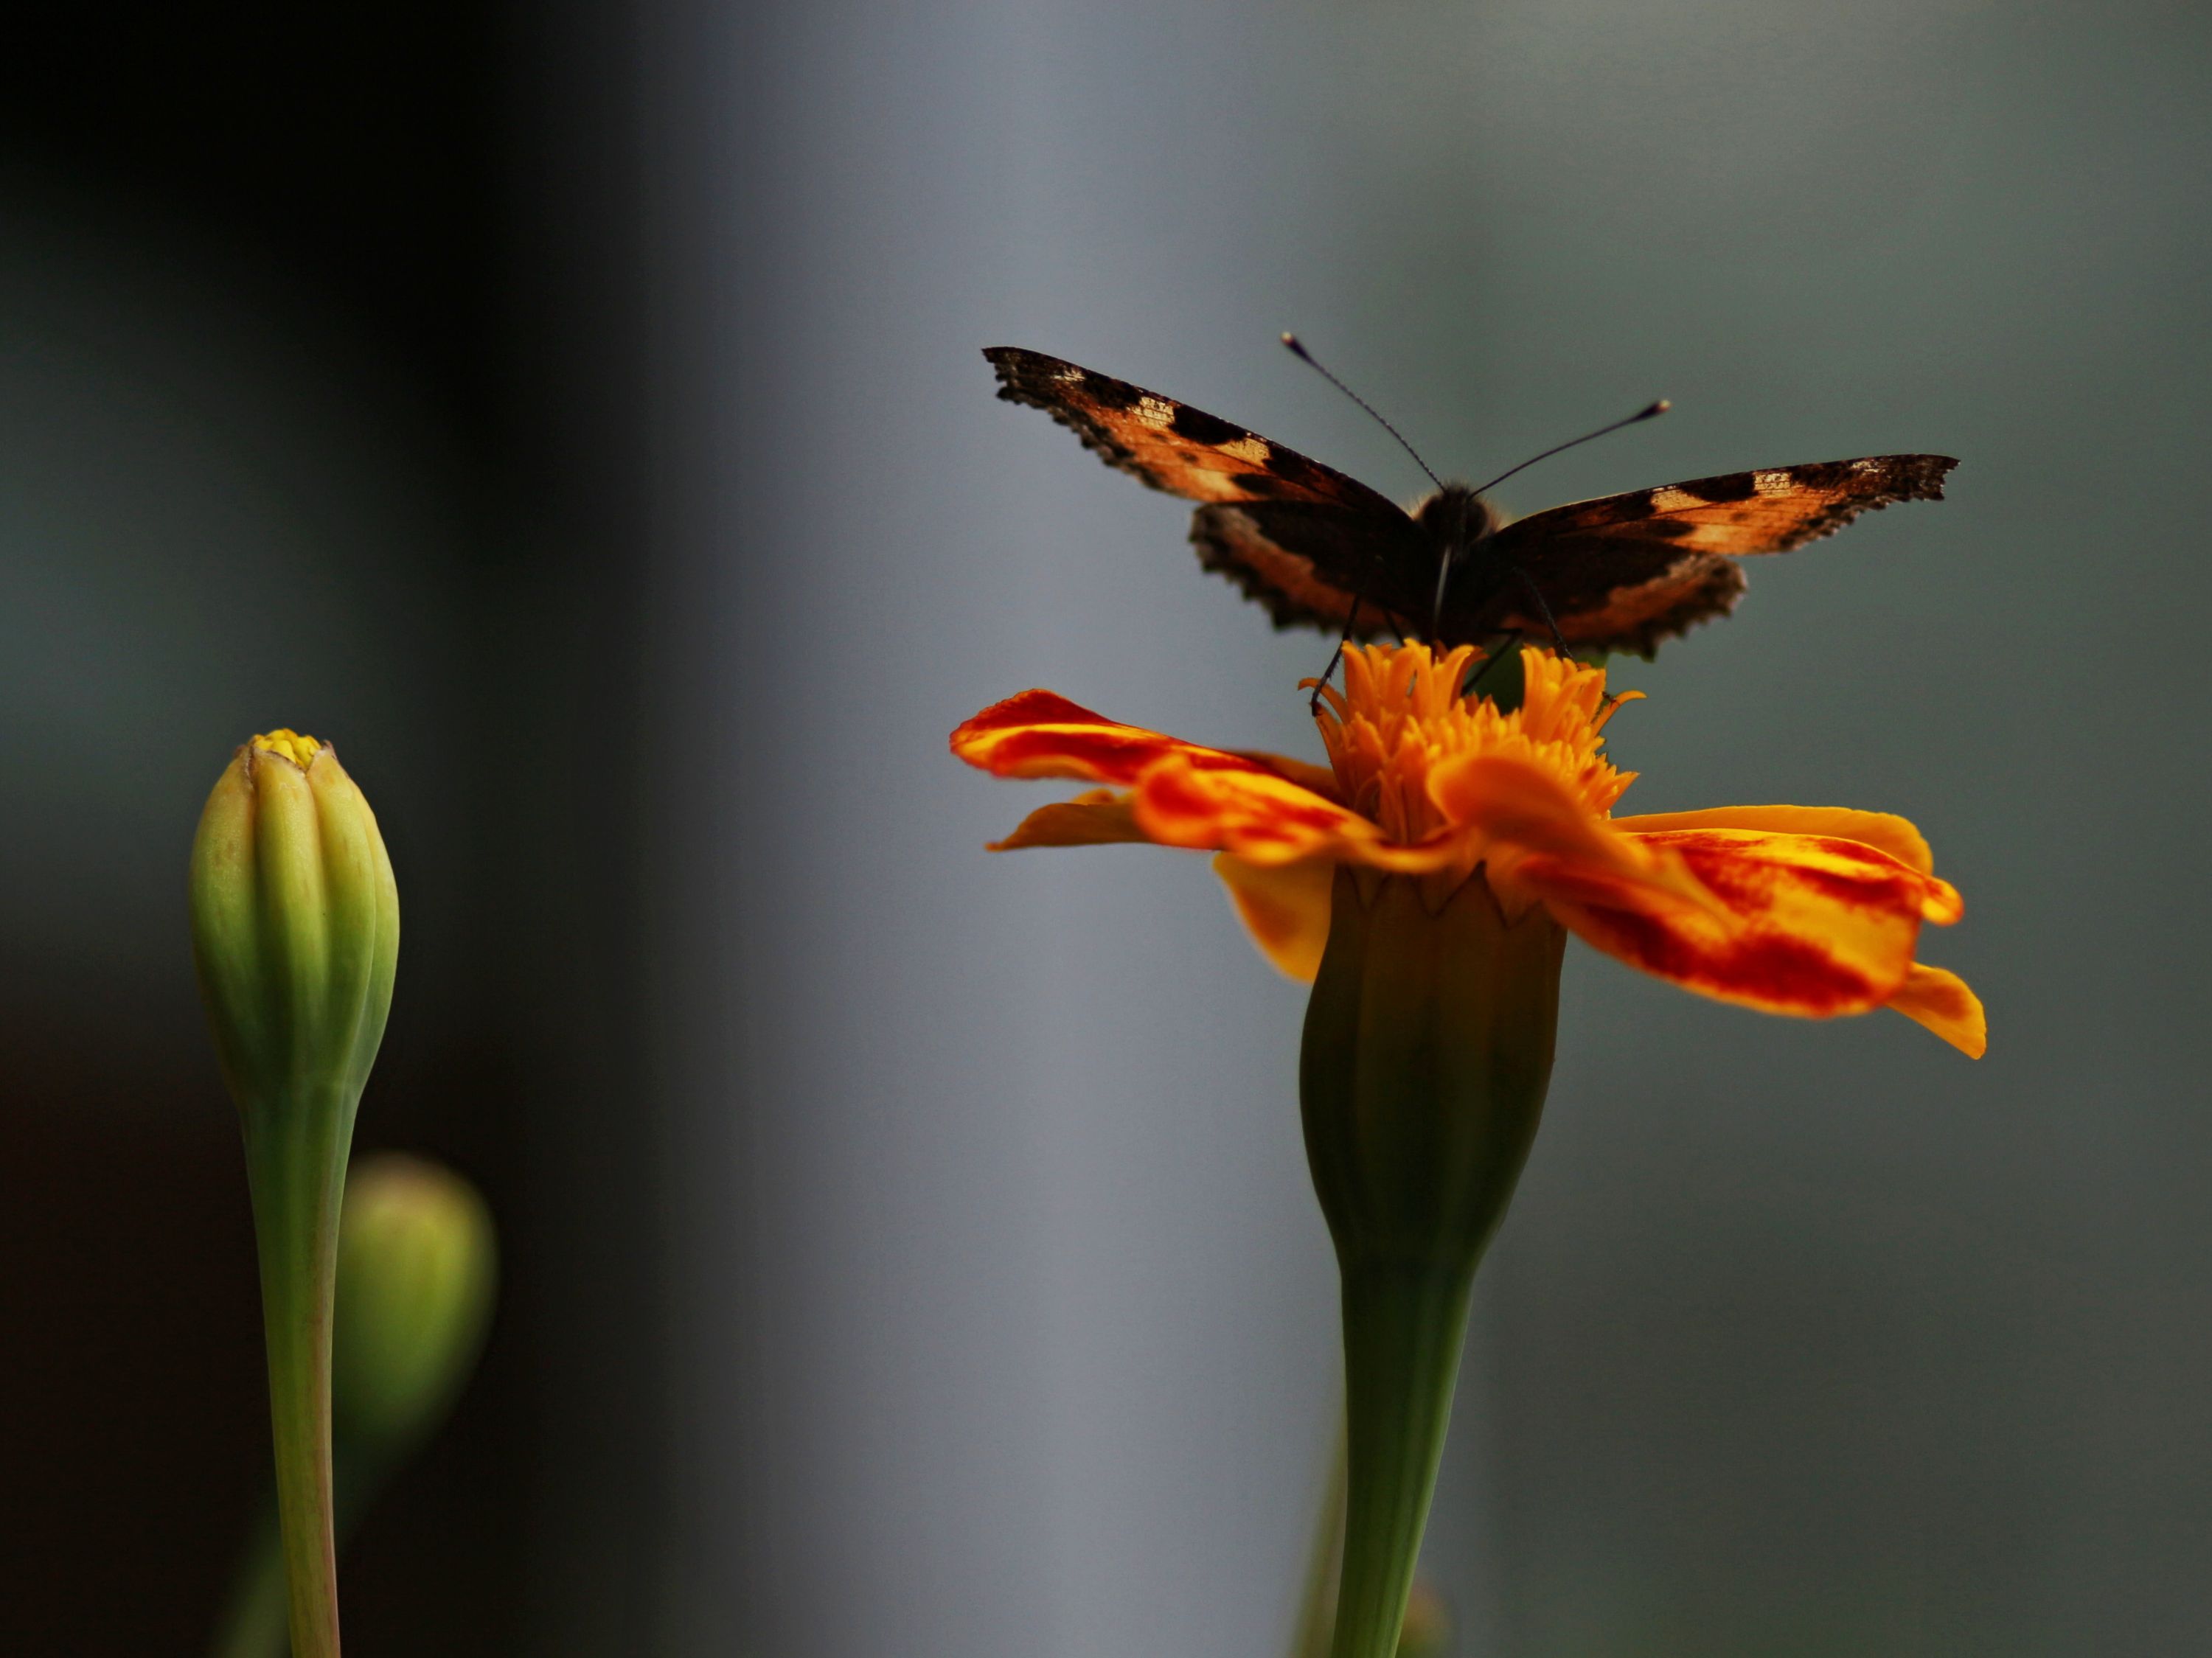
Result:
[
  {"x": 1299, "y": 351},
  {"x": 1656, "y": 409}
]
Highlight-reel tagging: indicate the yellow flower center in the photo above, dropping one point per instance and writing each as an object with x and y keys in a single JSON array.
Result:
[
  {"x": 297, "y": 747},
  {"x": 1400, "y": 713}
]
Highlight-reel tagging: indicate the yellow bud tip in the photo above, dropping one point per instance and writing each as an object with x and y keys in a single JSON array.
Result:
[{"x": 297, "y": 747}]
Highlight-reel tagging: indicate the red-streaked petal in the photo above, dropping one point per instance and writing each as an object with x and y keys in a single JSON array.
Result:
[
  {"x": 1807, "y": 925},
  {"x": 1099, "y": 819},
  {"x": 1941, "y": 902},
  {"x": 1043, "y": 734},
  {"x": 1259, "y": 806},
  {"x": 1320, "y": 779},
  {"x": 1882, "y": 830},
  {"x": 1285, "y": 906},
  {"x": 1941, "y": 1000},
  {"x": 1263, "y": 817}
]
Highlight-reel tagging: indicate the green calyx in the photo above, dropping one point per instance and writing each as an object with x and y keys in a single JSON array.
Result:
[{"x": 1427, "y": 1051}]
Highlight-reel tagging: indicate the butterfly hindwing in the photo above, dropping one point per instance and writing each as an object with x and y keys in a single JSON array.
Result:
[
  {"x": 1307, "y": 563},
  {"x": 1624, "y": 572}
]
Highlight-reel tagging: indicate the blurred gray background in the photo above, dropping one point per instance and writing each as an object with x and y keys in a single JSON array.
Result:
[{"x": 910, "y": 1250}]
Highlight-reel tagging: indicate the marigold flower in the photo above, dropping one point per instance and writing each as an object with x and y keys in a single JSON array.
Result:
[
  {"x": 1809, "y": 910},
  {"x": 1425, "y": 881}
]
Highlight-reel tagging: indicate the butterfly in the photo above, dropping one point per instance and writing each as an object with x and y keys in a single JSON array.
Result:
[{"x": 1317, "y": 548}]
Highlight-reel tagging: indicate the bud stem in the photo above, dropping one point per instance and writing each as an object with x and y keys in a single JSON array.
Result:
[
  {"x": 1403, "y": 1326},
  {"x": 295, "y": 1161}
]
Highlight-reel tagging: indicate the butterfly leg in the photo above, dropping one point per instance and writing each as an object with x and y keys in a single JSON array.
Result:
[
  {"x": 1559, "y": 644},
  {"x": 1350, "y": 625},
  {"x": 1550, "y": 623}
]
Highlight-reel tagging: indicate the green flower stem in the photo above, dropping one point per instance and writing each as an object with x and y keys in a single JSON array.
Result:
[
  {"x": 1403, "y": 1326},
  {"x": 256, "y": 1622},
  {"x": 295, "y": 1158},
  {"x": 1427, "y": 1050}
]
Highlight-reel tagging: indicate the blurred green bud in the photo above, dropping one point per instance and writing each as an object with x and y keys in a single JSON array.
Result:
[
  {"x": 295, "y": 924},
  {"x": 417, "y": 1262},
  {"x": 1427, "y": 1632},
  {"x": 416, "y": 1265}
]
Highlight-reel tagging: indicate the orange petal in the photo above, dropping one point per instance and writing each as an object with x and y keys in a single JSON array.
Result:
[
  {"x": 1884, "y": 831},
  {"x": 1257, "y": 806},
  {"x": 1802, "y": 924},
  {"x": 1182, "y": 801},
  {"x": 1042, "y": 734},
  {"x": 1941, "y": 1000},
  {"x": 1101, "y": 818},
  {"x": 1320, "y": 779},
  {"x": 1285, "y": 906},
  {"x": 1519, "y": 810}
]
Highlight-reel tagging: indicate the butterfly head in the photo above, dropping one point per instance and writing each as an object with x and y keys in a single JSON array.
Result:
[{"x": 1457, "y": 518}]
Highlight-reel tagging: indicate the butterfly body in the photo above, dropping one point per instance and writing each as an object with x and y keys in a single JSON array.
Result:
[{"x": 1320, "y": 549}]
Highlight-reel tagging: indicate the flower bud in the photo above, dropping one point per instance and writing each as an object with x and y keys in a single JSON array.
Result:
[
  {"x": 417, "y": 1267},
  {"x": 295, "y": 923},
  {"x": 295, "y": 933}
]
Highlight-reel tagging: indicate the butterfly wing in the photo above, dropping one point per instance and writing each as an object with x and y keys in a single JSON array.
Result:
[
  {"x": 1623, "y": 571},
  {"x": 1307, "y": 563},
  {"x": 1300, "y": 537},
  {"x": 1172, "y": 446}
]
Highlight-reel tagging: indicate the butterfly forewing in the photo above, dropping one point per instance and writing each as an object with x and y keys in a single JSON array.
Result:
[{"x": 1172, "y": 446}]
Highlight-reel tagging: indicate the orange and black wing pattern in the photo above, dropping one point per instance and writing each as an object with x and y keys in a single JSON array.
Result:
[
  {"x": 1172, "y": 446},
  {"x": 1311, "y": 566},
  {"x": 1299, "y": 537},
  {"x": 1624, "y": 572}
]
